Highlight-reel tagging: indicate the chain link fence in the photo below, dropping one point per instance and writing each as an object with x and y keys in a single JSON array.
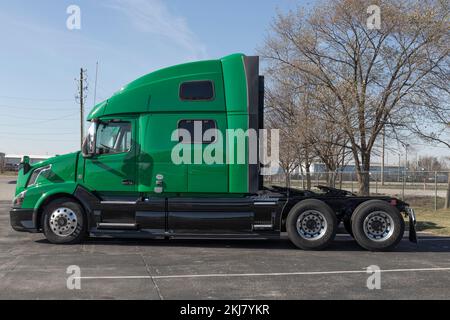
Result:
[{"x": 422, "y": 188}]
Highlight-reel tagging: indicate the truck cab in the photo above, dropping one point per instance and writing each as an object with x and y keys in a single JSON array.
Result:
[{"x": 142, "y": 171}]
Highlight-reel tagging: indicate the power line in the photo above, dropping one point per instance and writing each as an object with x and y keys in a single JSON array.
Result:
[
  {"x": 21, "y": 117},
  {"x": 43, "y": 139},
  {"x": 38, "y": 122},
  {"x": 36, "y": 134},
  {"x": 34, "y": 99},
  {"x": 33, "y": 108}
]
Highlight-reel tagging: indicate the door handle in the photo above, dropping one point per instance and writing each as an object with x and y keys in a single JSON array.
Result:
[{"x": 127, "y": 182}]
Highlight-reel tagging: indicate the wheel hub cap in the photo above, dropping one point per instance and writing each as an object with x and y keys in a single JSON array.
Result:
[
  {"x": 63, "y": 222},
  {"x": 311, "y": 225},
  {"x": 378, "y": 226}
]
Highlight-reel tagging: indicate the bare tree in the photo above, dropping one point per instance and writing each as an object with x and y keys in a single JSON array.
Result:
[
  {"x": 281, "y": 114},
  {"x": 373, "y": 74},
  {"x": 287, "y": 111},
  {"x": 447, "y": 196},
  {"x": 326, "y": 136},
  {"x": 429, "y": 163}
]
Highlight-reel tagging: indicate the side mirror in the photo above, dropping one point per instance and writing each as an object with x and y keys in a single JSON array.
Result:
[
  {"x": 25, "y": 164},
  {"x": 85, "y": 149},
  {"x": 88, "y": 147}
]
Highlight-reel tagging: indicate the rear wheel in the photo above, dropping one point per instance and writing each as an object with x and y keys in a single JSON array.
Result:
[
  {"x": 377, "y": 226},
  {"x": 64, "y": 221},
  {"x": 311, "y": 225}
]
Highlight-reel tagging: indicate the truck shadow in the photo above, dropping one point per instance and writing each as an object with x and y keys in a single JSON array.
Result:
[
  {"x": 428, "y": 225},
  {"x": 342, "y": 243}
]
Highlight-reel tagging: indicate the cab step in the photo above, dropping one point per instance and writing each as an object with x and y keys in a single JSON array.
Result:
[
  {"x": 262, "y": 227},
  {"x": 117, "y": 226}
]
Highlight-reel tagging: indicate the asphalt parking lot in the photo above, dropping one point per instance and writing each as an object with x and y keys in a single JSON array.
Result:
[{"x": 32, "y": 268}]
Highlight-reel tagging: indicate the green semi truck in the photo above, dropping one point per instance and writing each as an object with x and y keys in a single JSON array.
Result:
[{"x": 125, "y": 182}]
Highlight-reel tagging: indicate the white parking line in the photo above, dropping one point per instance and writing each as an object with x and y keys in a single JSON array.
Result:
[
  {"x": 433, "y": 239},
  {"x": 226, "y": 275}
]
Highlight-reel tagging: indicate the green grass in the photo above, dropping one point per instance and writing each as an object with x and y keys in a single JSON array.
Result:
[
  {"x": 424, "y": 202},
  {"x": 8, "y": 174},
  {"x": 430, "y": 220},
  {"x": 435, "y": 222}
]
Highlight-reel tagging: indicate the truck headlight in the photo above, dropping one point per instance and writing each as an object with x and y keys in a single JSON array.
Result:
[
  {"x": 36, "y": 173},
  {"x": 18, "y": 200}
]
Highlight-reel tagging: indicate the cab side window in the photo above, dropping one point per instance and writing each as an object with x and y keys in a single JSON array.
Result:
[
  {"x": 202, "y": 126},
  {"x": 197, "y": 90},
  {"x": 113, "y": 137}
]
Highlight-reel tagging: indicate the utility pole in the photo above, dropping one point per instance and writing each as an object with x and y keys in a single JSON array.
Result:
[
  {"x": 81, "y": 97},
  {"x": 81, "y": 108},
  {"x": 382, "y": 155}
]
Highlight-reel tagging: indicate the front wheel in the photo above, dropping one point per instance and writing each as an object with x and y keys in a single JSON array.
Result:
[
  {"x": 64, "y": 221},
  {"x": 311, "y": 225},
  {"x": 377, "y": 226}
]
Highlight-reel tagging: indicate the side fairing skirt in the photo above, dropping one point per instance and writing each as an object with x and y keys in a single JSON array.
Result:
[{"x": 251, "y": 216}]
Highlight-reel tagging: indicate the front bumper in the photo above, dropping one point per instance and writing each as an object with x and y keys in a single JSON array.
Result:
[
  {"x": 23, "y": 220},
  {"x": 412, "y": 224}
]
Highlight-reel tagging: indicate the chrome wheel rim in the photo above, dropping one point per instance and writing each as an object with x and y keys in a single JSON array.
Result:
[
  {"x": 311, "y": 225},
  {"x": 63, "y": 222},
  {"x": 378, "y": 226}
]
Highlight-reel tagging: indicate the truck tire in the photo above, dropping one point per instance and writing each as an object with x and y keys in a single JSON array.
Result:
[
  {"x": 311, "y": 225},
  {"x": 377, "y": 226},
  {"x": 348, "y": 226},
  {"x": 64, "y": 221}
]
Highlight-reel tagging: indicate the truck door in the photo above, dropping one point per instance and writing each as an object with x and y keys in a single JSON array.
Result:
[
  {"x": 111, "y": 172},
  {"x": 156, "y": 154},
  {"x": 206, "y": 175}
]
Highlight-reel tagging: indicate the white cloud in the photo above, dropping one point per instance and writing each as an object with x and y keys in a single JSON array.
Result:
[{"x": 153, "y": 16}]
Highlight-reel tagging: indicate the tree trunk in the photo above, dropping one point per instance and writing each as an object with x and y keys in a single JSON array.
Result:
[
  {"x": 332, "y": 179},
  {"x": 307, "y": 169},
  {"x": 341, "y": 175},
  {"x": 447, "y": 198},
  {"x": 331, "y": 174},
  {"x": 364, "y": 176},
  {"x": 288, "y": 179},
  {"x": 308, "y": 176},
  {"x": 363, "y": 180},
  {"x": 303, "y": 177}
]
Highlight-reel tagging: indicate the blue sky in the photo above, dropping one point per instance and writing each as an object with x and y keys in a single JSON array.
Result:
[{"x": 40, "y": 57}]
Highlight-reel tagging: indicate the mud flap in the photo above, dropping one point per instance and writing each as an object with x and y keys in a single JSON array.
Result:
[{"x": 412, "y": 224}]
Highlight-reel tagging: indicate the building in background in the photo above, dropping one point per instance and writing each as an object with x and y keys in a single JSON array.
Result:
[
  {"x": 12, "y": 161},
  {"x": 318, "y": 167},
  {"x": 392, "y": 173},
  {"x": 319, "y": 171}
]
